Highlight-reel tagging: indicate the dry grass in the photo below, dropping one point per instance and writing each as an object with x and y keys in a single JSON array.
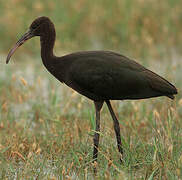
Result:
[{"x": 46, "y": 131}]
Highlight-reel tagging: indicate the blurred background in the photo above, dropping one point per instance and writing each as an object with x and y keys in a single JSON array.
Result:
[
  {"x": 42, "y": 120},
  {"x": 135, "y": 27}
]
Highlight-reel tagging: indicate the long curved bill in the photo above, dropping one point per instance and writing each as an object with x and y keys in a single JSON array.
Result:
[{"x": 24, "y": 38}]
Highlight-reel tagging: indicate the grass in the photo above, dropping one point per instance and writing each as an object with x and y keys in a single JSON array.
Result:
[
  {"x": 148, "y": 28},
  {"x": 46, "y": 130}
]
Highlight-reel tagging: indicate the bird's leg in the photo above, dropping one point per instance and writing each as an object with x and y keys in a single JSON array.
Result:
[
  {"x": 98, "y": 106},
  {"x": 116, "y": 128}
]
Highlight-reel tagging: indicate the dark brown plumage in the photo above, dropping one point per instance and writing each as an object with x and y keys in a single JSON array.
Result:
[{"x": 99, "y": 75}]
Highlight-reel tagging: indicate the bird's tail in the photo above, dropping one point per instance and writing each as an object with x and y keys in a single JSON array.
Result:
[{"x": 161, "y": 85}]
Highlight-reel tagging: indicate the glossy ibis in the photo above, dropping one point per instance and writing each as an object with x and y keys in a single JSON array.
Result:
[{"x": 99, "y": 75}]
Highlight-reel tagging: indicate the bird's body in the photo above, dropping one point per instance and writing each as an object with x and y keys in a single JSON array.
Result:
[
  {"x": 99, "y": 75},
  {"x": 105, "y": 75}
]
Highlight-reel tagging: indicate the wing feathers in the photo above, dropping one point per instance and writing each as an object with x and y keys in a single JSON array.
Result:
[{"x": 159, "y": 84}]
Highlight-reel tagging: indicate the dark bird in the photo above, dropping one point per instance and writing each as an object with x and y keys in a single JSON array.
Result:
[{"x": 99, "y": 75}]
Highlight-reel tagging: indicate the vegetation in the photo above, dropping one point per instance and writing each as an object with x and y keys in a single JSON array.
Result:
[
  {"x": 46, "y": 129},
  {"x": 143, "y": 26}
]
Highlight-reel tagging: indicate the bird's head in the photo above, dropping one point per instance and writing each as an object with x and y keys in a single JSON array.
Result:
[{"x": 37, "y": 28}]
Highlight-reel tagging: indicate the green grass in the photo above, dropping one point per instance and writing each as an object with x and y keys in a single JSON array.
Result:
[
  {"x": 137, "y": 27},
  {"x": 46, "y": 130}
]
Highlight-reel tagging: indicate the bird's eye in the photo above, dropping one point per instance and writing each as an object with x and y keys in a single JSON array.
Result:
[{"x": 33, "y": 27}]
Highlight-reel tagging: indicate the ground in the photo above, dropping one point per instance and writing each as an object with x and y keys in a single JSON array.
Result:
[{"x": 46, "y": 129}]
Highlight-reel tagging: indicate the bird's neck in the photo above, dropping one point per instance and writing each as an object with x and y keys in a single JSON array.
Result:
[{"x": 47, "y": 45}]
